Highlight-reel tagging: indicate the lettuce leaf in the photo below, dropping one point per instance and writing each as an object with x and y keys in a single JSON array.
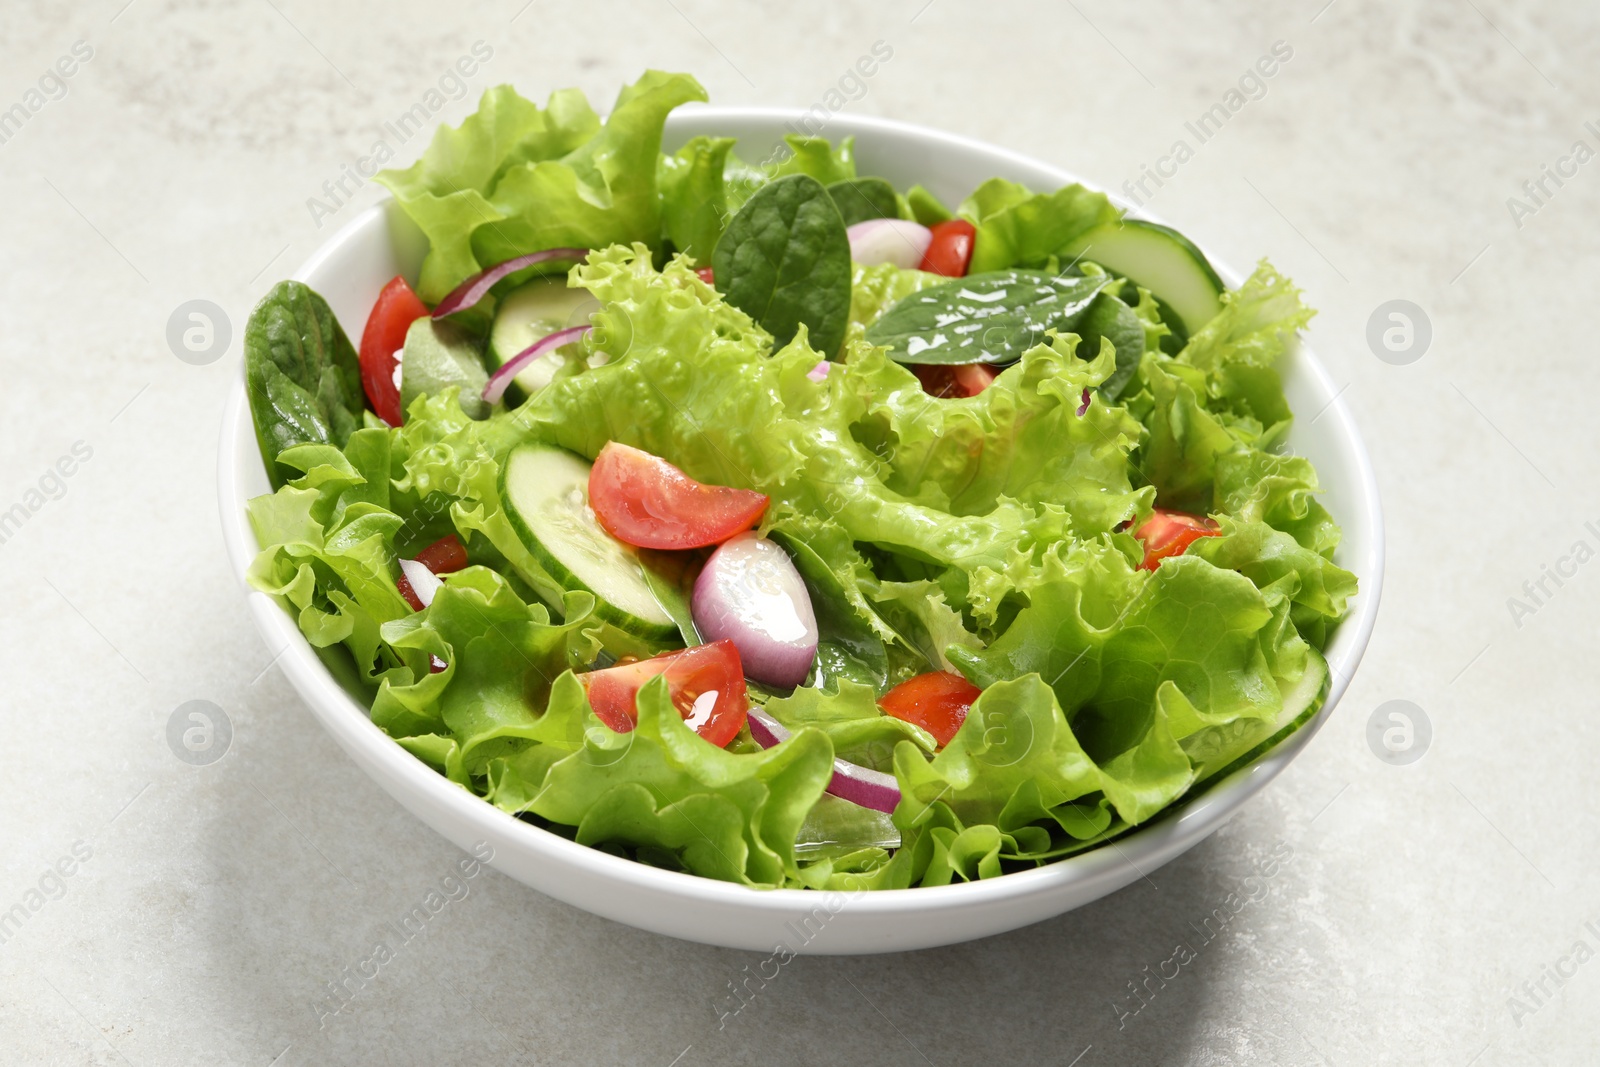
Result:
[
  {"x": 502, "y": 657},
  {"x": 1020, "y": 228},
  {"x": 1258, "y": 322},
  {"x": 851, "y": 719},
  {"x": 718, "y": 813},
  {"x": 1179, "y": 457},
  {"x": 816, "y": 157},
  {"x": 516, "y": 178},
  {"x": 1021, "y": 439},
  {"x": 694, "y": 196}
]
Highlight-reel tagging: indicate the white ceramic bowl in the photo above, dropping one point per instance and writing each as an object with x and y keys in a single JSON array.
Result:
[{"x": 356, "y": 262}]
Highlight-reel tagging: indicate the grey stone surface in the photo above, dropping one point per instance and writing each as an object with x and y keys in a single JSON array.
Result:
[{"x": 211, "y": 907}]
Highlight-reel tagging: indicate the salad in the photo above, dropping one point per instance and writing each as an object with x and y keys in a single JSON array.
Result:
[{"x": 779, "y": 525}]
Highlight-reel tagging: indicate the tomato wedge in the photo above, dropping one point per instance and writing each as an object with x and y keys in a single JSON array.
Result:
[
  {"x": 707, "y": 276},
  {"x": 444, "y": 556},
  {"x": 397, "y": 308},
  {"x": 692, "y": 674},
  {"x": 954, "y": 380},
  {"x": 951, "y": 248},
  {"x": 937, "y": 701},
  {"x": 1170, "y": 533},
  {"x": 645, "y": 501}
]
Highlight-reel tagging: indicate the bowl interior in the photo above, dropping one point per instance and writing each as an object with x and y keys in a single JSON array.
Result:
[{"x": 355, "y": 263}]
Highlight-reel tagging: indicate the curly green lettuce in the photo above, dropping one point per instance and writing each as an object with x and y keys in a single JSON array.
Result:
[{"x": 515, "y": 178}]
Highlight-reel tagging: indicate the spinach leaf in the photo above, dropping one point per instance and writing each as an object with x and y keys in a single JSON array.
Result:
[
  {"x": 1107, "y": 316},
  {"x": 301, "y": 376},
  {"x": 785, "y": 260},
  {"x": 861, "y": 199},
  {"x": 439, "y": 354},
  {"x": 983, "y": 318}
]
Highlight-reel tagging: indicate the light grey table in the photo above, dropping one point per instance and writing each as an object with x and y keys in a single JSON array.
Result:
[{"x": 1443, "y": 912}]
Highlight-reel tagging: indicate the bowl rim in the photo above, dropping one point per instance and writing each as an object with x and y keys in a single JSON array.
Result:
[{"x": 1152, "y": 844}]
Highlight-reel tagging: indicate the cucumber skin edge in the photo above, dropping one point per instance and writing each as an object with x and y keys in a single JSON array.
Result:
[
  {"x": 603, "y": 609},
  {"x": 1083, "y": 241}
]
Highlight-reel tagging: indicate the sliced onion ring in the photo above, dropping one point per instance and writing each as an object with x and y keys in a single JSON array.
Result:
[
  {"x": 898, "y": 241},
  {"x": 475, "y": 288},
  {"x": 495, "y": 387},
  {"x": 424, "y": 582},
  {"x": 851, "y": 781}
]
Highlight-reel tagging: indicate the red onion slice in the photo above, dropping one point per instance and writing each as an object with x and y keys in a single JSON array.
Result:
[
  {"x": 750, "y": 593},
  {"x": 424, "y": 582},
  {"x": 898, "y": 241},
  {"x": 495, "y": 387},
  {"x": 851, "y": 781},
  {"x": 475, "y": 288},
  {"x": 819, "y": 373}
]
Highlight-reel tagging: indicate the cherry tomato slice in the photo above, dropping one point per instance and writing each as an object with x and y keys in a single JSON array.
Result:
[
  {"x": 692, "y": 674},
  {"x": 707, "y": 276},
  {"x": 951, "y": 249},
  {"x": 444, "y": 556},
  {"x": 647, "y": 502},
  {"x": 1170, "y": 533},
  {"x": 937, "y": 701},
  {"x": 397, "y": 308},
  {"x": 957, "y": 380}
]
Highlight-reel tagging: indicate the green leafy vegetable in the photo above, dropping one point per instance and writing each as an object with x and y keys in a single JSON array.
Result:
[
  {"x": 861, "y": 199},
  {"x": 720, "y": 814},
  {"x": 694, "y": 195},
  {"x": 301, "y": 375},
  {"x": 670, "y": 576},
  {"x": 816, "y": 158},
  {"x": 1020, "y": 441},
  {"x": 925, "y": 207},
  {"x": 984, "y": 318},
  {"x": 502, "y": 658},
  {"x": 1108, "y": 317},
  {"x": 848, "y": 647},
  {"x": 852, "y": 721},
  {"x": 1019, "y": 228},
  {"x": 1258, "y": 321},
  {"x": 515, "y": 178},
  {"x": 441, "y": 355},
  {"x": 785, "y": 261},
  {"x": 876, "y": 289}
]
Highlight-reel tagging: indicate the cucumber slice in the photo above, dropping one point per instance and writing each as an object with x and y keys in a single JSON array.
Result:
[
  {"x": 546, "y": 495},
  {"x": 1163, "y": 261},
  {"x": 528, "y": 313},
  {"x": 1300, "y": 703}
]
